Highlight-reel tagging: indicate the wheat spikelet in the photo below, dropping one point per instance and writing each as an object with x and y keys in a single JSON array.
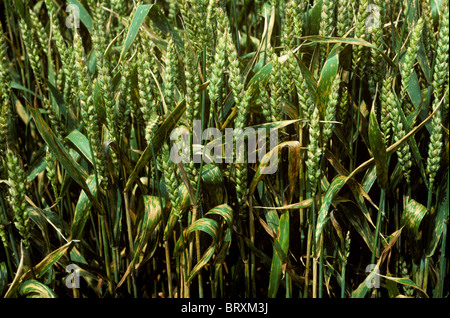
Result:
[{"x": 344, "y": 16}]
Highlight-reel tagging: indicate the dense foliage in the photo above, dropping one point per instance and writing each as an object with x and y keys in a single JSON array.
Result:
[{"x": 91, "y": 90}]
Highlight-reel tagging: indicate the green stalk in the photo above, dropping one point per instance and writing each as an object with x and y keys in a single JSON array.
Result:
[
  {"x": 252, "y": 254},
  {"x": 106, "y": 254},
  {"x": 168, "y": 268},
  {"x": 130, "y": 238},
  {"x": 314, "y": 290},
  {"x": 343, "y": 279},
  {"x": 443, "y": 259},
  {"x": 321, "y": 267},
  {"x": 377, "y": 229}
]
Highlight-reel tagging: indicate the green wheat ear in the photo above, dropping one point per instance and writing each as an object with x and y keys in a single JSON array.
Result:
[
  {"x": 4, "y": 96},
  {"x": 330, "y": 111},
  {"x": 439, "y": 78},
  {"x": 148, "y": 90},
  {"x": 314, "y": 151},
  {"x": 219, "y": 64},
  {"x": 275, "y": 88},
  {"x": 404, "y": 152},
  {"x": 387, "y": 103},
  {"x": 170, "y": 78},
  {"x": 408, "y": 66},
  {"x": 17, "y": 190}
]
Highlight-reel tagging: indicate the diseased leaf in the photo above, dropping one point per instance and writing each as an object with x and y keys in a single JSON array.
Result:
[
  {"x": 324, "y": 86},
  {"x": 269, "y": 162},
  {"x": 150, "y": 220},
  {"x": 412, "y": 216},
  {"x": 359, "y": 222},
  {"x": 210, "y": 227},
  {"x": 52, "y": 258},
  {"x": 224, "y": 211},
  {"x": 58, "y": 149},
  {"x": 34, "y": 289}
]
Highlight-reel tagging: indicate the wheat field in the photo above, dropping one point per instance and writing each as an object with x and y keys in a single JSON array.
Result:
[{"x": 93, "y": 204}]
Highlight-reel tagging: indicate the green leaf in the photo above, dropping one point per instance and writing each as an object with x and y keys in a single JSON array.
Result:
[
  {"x": 334, "y": 188},
  {"x": 309, "y": 78},
  {"x": 33, "y": 288},
  {"x": 138, "y": 18},
  {"x": 36, "y": 169},
  {"x": 83, "y": 209},
  {"x": 280, "y": 248},
  {"x": 261, "y": 77},
  {"x": 58, "y": 100},
  {"x": 159, "y": 20},
  {"x": 81, "y": 143},
  {"x": 314, "y": 17},
  {"x": 3, "y": 277},
  {"x": 349, "y": 41},
  {"x": 21, "y": 87},
  {"x": 378, "y": 148}
]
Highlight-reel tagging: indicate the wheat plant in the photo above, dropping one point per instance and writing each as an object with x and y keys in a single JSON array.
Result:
[{"x": 90, "y": 99}]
